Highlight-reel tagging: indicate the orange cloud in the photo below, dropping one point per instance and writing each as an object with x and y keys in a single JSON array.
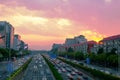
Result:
[{"x": 93, "y": 35}]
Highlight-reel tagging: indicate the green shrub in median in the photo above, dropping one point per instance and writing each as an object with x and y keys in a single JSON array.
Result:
[
  {"x": 97, "y": 74},
  {"x": 18, "y": 71},
  {"x": 54, "y": 71}
]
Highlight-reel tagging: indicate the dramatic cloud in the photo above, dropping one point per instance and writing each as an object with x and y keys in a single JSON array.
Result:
[
  {"x": 93, "y": 35},
  {"x": 51, "y": 21}
]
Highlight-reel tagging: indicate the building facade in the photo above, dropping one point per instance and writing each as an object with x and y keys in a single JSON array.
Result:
[
  {"x": 7, "y": 35},
  {"x": 17, "y": 42},
  {"x": 78, "y": 44},
  {"x": 110, "y": 43}
]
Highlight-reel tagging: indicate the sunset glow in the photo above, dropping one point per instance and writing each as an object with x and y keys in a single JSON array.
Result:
[{"x": 44, "y": 22}]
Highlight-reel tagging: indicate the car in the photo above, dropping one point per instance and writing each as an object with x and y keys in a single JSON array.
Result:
[
  {"x": 80, "y": 73},
  {"x": 40, "y": 65},
  {"x": 63, "y": 70},
  {"x": 68, "y": 69},
  {"x": 70, "y": 76},
  {"x": 85, "y": 78},
  {"x": 73, "y": 73},
  {"x": 59, "y": 71},
  {"x": 79, "y": 78},
  {"x": 76, "y": 70}
]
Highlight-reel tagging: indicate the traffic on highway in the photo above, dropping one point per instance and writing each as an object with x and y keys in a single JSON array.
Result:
[
  {"x": 68, "y": 72},
  {"x": 38, "y": 70}
]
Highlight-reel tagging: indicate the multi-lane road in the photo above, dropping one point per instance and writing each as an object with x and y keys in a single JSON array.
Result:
[
  {"x": 38, "y": 70},
  {"x": 68, "y": 72}
]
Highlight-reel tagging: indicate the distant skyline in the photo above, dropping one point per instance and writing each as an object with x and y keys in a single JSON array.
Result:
[{"x": 44, "y": 22}]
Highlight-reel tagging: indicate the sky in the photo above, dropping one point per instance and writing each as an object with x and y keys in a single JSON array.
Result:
[{"x": 44, "y": 22}]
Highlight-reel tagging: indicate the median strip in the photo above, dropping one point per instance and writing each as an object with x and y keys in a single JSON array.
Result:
[{"x": 54, "y": 71}]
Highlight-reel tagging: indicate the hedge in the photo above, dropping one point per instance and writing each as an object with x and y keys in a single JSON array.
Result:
[{"x": 54, "y": 71}]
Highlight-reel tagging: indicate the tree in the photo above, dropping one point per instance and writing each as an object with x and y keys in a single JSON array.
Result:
[
  {"x": 113, "y": 51},
  {"x": 13, "y": 53},
  {"x": 100, "y": 50},
  {"x": 79, "y": 55},
  {"x": 70, "y": 49},
  {"x": 93, "y": 57},
  {"x": 112, "y": 60},
  {"x": 1, "y": 55},
  {"x": 4, "y": 52}
]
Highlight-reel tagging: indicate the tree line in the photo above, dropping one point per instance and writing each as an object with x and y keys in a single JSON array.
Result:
[
  {"x": 101, "y": 58},
  {"x": 6, "y": 53}
]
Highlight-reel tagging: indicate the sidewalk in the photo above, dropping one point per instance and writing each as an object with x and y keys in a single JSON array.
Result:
[{"x": 104, "y": 69}]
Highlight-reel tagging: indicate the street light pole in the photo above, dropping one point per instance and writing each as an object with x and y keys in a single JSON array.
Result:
[{"x": 119, "y": 64}]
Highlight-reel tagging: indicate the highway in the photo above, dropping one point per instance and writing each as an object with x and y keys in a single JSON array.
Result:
[
  {"x": 38, "y": 70},
  {"x": 68, "y": 72},
  {"x": 100, "y": 68}
]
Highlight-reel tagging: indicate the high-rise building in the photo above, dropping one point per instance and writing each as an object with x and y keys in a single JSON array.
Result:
[
  {"x": 22, "y": 45},
  {"x": 75, "y": 40},
  {"x": 80, "y": 39},
  {"x": 17, "y": 42},
  {"x": 6, "y": 35},
  {"x": 55, "y": 46},
  {"x": 69, "y": 41},
  {"x": 2, "y": 36}
]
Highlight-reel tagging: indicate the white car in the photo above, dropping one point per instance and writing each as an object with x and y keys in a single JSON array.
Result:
[{"x": 73, "y": 73}]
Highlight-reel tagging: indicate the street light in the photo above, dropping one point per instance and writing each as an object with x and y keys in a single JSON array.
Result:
[
  {"x": 118, "y": 69},
  {"x": 119, "y": 63}
]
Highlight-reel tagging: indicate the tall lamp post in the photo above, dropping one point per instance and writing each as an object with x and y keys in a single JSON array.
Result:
[{"x": 118, "y": 62}]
